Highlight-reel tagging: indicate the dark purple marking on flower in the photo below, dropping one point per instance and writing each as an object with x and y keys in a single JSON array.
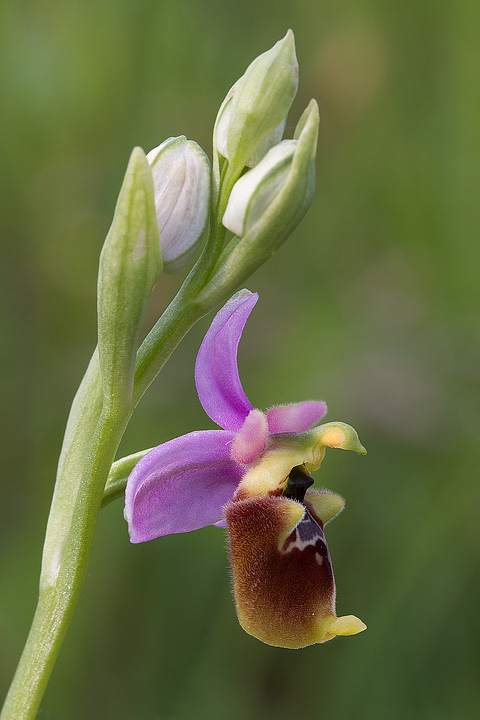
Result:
[
  {"x": 297, "y": 484},
  {"x": 309, "y": 531},
  {"x": 308, "y": 536}
]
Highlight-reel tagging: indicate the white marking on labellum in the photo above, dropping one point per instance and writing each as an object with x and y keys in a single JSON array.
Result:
[{"x": 307, "y": 533}]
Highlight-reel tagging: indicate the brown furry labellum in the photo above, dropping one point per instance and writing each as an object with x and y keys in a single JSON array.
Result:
[{"x": 283, "y": 578}]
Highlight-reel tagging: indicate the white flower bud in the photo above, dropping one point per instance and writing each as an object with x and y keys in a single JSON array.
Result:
[
  {"x": 253, "y": 192},
  {"x": 182, "y": 187}
]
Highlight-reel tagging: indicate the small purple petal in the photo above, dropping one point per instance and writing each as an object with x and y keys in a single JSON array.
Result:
[
  {"x": 251, "y": 439},
  {"x": 216, "y": 373},
  {"x": 295, "y": 418},
  {"x": 181, "y": 485}
]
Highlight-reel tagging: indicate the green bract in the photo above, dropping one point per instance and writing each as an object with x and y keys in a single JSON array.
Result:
[{"x": 130, "y": 265}]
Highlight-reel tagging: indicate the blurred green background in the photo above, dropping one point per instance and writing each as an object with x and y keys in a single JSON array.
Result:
[{"x": 372, "y": 305}]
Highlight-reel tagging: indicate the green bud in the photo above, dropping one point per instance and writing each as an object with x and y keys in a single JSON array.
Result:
[
  {"x": 253, "y": 114},
  {"x": 130, "y": 265},
  {"x": 268, "y": 202},
  {"x": 262, "y": 148},
  {"x": 182, "y": 189}
]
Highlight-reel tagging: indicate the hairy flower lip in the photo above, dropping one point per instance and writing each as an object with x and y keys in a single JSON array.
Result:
[{"x": 283, "y": 578}]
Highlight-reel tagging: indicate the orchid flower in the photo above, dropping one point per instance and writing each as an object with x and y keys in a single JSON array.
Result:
[{"x": 252, "y": 476}]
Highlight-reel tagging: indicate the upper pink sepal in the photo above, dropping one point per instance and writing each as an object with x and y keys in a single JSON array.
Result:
[
  {"x": 295, "y": 418},
  {"x": 251, "y": 439},
  {"x": 216, "y": 373}
]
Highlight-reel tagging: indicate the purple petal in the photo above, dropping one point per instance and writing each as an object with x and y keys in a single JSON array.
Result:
[
  {"x": 216, "y": 373},
  {"x": 181, "y": 485},
  {"x": 295, "y": 418},
  {"x": 251, "y": 439}
]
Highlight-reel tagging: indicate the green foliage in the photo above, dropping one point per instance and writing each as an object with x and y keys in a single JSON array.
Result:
[{"x": 372, "y": 305}]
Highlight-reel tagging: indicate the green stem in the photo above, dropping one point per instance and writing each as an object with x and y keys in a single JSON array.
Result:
[
  {"x": 36, "y": 663},
  {"x": 91, "y": 441},
  {"x": 67, "y": 550},
  {"x": 118, "y": 476}
]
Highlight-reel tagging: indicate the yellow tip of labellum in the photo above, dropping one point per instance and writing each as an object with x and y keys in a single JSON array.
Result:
[{"x": 345, "y": 625}]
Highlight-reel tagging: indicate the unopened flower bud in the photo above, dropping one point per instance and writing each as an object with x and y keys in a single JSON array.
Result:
[
  {"x": 252, "y": 116},
  {"x": 267, "y": 203},
  {"x": 253, "y": 192},
  {"x": 273, "y": 138},
  {"x": 182, "y": 187}
]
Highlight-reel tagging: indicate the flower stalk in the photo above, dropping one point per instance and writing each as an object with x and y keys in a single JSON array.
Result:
[
  {"x": 169, "y": 204},
  {"x": 91, "y": 442}
]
